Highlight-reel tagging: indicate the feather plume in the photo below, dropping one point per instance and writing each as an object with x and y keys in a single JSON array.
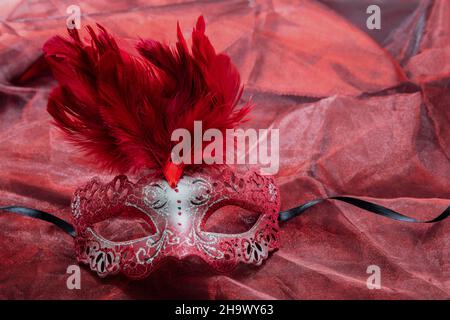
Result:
[{"x": 122, "y": 109}]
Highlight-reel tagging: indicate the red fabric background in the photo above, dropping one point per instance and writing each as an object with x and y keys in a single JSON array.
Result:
[{"x": 360, "y": 112}]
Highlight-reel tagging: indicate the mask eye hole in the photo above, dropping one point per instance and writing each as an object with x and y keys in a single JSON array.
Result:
[
  {"x": 230, "y": 219},
  {"x": 131, "y": 224}
]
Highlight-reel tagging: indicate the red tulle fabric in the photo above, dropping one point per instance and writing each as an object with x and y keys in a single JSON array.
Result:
[{"x": 361, "y": 112}]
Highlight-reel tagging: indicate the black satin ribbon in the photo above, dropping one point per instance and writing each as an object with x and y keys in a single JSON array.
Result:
[
  {"x": 41, "y": 215},
  {"x": 362, "y": 204}
]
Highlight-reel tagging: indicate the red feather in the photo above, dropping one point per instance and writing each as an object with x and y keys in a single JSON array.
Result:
[{"x": 122, "y": 109}]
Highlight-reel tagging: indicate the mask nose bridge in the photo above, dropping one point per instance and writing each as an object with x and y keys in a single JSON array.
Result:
[
  {"x": 184, "y": 220},
  {"x": 181, "y": 218}
]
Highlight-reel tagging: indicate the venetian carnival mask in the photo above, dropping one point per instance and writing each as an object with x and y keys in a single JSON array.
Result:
[
  {"x": 178, "y": 217},
  {"x": 122, "y": 109}
]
